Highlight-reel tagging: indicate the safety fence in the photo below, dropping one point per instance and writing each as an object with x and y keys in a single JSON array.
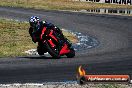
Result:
[
  {"x": 124, "y": 2},
  {"x": 114, "y": 11}
]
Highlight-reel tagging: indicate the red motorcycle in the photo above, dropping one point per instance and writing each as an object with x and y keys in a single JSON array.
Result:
[{"x": 51, "y": 44}]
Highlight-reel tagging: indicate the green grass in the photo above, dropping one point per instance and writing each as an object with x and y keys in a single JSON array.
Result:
[
  {"x": 58, "y": 4},
  {"x": 14, "y": 38}
]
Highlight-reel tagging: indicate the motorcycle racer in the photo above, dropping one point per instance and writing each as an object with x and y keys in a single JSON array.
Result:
[{"x": 36, "y": 27}]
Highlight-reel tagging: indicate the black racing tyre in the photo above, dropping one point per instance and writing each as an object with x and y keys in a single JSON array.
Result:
[
  {"x": 52, "y": 52},
  {"x": 40, "y": 51},
  {"x": 71, "y": 54}
]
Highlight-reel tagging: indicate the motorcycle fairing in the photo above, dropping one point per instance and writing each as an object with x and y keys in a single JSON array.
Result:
[
  {"x": 51, "y": 43},
  {"x": 43, "y": 31},
  {"x": 52, "y": 36},
  {"x": 64, "y": 50}
]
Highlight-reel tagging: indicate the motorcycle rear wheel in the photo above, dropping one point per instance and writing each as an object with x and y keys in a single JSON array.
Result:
[{"x": 40, "y": 50}]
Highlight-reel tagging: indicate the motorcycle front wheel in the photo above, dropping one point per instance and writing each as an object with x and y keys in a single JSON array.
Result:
[
  {"x": 54, "y": 52},
  {"x": 71, "y": 54}
]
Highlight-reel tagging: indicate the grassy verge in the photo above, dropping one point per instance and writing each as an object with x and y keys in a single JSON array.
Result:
[
  {"x": 14, "y": 38},
  {"x": 58, "y": 4}
]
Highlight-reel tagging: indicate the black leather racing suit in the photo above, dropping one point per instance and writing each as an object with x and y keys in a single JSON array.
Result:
[{"x": 35, "y": 35}]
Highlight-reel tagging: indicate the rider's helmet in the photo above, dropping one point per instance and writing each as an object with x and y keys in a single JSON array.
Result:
[{"x": 34, "y": 21}]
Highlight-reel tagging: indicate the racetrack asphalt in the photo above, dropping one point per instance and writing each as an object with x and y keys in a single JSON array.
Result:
[{"x": 112, "y": 56}]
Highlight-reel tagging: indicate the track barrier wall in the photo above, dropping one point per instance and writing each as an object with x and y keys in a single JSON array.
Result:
[
  {"x": 123, "y": 2},
  {"x": 109, "y": 11}
]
